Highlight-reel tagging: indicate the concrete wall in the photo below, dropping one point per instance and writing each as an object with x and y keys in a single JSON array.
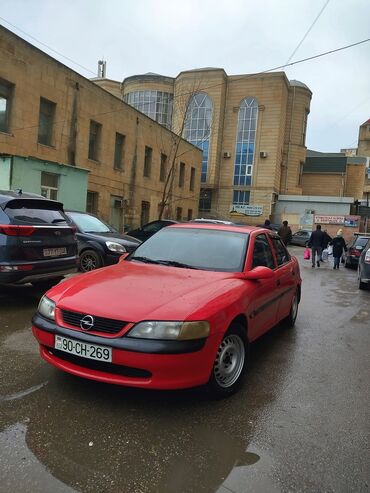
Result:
[{"x": 5, "y": 172}]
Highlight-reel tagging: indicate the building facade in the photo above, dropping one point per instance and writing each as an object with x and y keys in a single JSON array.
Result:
[
  {"x": 251, "y": 130},
  {"x": 62, "y": 135}
]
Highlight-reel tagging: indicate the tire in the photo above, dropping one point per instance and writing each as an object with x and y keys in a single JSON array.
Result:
[
  {"x": 230, "y": 363},
  {"x": 361, "y": 285},
  {"x": 289, "y": 321},
  {"x": 47, "y": 284},
  {"x": 89, "y": 260}
]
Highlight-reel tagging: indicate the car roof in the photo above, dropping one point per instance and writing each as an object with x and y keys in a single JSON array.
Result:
[
  {"x": 8, "y": 195},
  {"x": 223, "y": 227}
]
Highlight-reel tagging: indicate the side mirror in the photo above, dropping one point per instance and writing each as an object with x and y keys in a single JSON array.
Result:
[
  {"x": 122, "y": 257},
  {"x": 260, "y": 272}
]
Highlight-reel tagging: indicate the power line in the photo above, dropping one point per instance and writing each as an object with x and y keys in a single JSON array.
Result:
[
  {"x": 48, "y": 47},
  {"x": 308, "y": 31}
]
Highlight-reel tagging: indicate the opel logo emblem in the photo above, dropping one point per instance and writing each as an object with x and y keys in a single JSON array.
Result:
[
  {"x": 57, "y": 233},
  {"x": 87, "y": 322}
]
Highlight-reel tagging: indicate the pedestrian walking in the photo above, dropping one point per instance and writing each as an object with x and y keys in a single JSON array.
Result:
[
  {"x": 285, "y": 233},
  {"x": 316, "y": 242},
  {"x": 339, "y": 245},
  {"x": 327, "y": 240}
]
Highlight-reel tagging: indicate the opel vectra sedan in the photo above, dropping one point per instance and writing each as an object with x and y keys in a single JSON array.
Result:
[{"x": 178, "y": 312}]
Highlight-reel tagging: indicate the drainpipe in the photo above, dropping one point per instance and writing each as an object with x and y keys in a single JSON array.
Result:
[{"x": 290, "y": 139}]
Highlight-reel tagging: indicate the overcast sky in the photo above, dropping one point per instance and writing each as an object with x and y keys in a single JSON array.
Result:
[{"x": 242, "y": 36}]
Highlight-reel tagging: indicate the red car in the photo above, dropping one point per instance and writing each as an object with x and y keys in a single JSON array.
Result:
[{"x": 178, "y": 312}]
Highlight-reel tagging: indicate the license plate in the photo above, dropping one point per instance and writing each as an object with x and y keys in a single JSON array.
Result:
[
  {"x": 54, "y": 252},
  {"x": 83, "y": 349}
]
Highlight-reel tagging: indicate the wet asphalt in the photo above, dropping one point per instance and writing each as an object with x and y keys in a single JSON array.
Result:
[{"x": 301, "y": 422}]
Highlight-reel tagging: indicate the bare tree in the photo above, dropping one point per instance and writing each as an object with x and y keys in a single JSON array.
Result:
[{"x": 182, "y": 109}]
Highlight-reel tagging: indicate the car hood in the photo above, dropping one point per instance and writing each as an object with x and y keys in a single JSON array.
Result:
[
  {"x": 118, "y": 238},
  {"x": 133, "y": 291}
]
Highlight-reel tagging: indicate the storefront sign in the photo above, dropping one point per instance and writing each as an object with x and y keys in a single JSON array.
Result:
[
  {"x": 351, "y": 221},
  {"x": 247, "y": 210},
  {"x": 329, "y": 219}
]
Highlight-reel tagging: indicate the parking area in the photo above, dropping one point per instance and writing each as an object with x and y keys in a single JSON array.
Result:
[{"x": 301, "y": 422}]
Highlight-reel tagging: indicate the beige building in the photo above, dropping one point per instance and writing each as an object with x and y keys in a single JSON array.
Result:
[
  {"x": 53, "y": 115},
  {"x": 363, "y": 149},
  {"x": 251, "y": 129}
]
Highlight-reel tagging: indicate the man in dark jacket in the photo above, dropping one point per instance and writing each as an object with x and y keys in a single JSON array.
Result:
[
  {"x": 285, "y": 233},
  {"x": 316, "y": 242},
  {"x": 327, "y": 240}
]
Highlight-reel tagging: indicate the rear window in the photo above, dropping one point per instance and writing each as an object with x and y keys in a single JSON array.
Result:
[
  {"x": 361, "y": 241},
  {"x": 34, "y": 212}
]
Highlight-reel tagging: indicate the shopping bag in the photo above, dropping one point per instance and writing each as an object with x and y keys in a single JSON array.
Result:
[
  {"x": 307, "y": 254},
  {"x": 330, "y": 250},
  {"x": 325, "y": 255}
]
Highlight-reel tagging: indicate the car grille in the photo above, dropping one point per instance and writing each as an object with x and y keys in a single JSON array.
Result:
[
  {"x": 101, "y": 324},
  {"x": 126, "y": 371}
]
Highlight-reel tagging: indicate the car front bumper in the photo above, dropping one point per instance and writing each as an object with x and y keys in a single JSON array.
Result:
[{"x": 135, "y": 362}]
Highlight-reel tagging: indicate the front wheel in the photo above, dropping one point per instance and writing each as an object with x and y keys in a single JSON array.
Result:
[
  {"x": 230, "y": 363},
  {"x": 361, "y": 285},
  {"x": 89, "y": 260}
]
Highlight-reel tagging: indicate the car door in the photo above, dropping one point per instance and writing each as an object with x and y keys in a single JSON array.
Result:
[
  {"x": 264, "y": 303},
  {"x": 286, "y": 277}
]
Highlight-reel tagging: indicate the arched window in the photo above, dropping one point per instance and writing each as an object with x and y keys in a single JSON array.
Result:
[
  {"x": 245, "y": 141},
  {"x": 197, "y": 127}
]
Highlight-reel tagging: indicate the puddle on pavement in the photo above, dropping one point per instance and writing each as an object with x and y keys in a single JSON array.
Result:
[{"x": 22, "y": 393}]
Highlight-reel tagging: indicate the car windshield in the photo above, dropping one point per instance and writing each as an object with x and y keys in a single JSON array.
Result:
[
  {"x": 204, "y": 249},
  {"x": 89, "y": 224}
]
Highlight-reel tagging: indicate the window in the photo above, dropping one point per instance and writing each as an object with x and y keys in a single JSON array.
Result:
[
  {"x": 92, "y": 202},
  {"x": 182, "y": 175},
  {"x": 6, "y": 94},
  {"x": 197, "y": 128},
  {"x": 205, "y": 200},
  {"x": 46, "y": 121},
  {"x": 304, "y": 128},
  {"x": 178, "y": 213},
  {"x": 49, "y": 185},
  {"x": 94, "y": 140},
  {"x": 163, "y": 170},
  {"x": 148, "y": 161},
  {"x": 281, "y": 252},
  {"x": 190, "y": 214},
  {"x": 145, "y": 209},
  {"x": 262, "y": 254},
  {"x": 119, "y": 148},
  {"x": 241, "y": 197},
  {"x": 155, "y": 104},
  {"x": 192, "y": 179},
  {"x": 245, "y": 141}
]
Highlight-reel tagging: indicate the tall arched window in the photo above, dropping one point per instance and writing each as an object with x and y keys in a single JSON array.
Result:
[
  {"x": 197, "y": 127},
  {"x": 245, "y": 141}
]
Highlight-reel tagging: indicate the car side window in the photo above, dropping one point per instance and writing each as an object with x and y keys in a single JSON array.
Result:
[
  {"x": 262, "y": 254},
  {"x": 282, "y": 255},
  {"x": 152, "y": 227}
]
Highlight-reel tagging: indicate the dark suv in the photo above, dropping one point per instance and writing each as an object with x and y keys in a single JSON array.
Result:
[
  {"x": 36, "y": 243},
  {"x": 355, "y": 248}
]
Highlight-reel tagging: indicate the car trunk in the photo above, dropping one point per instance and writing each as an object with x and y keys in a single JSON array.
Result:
[{"x": 37, "y": 231}]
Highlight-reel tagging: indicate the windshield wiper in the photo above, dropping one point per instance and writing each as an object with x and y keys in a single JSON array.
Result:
[
  {"x": 146, "y": 260},
  {"x": 174, "y": 263}
]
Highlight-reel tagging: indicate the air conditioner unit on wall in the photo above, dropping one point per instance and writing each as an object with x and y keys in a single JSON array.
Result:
[
  {"x": 263, "y": 154},
  {"x": 227, "y": 155},
  {"x": 118, "y": 204}
]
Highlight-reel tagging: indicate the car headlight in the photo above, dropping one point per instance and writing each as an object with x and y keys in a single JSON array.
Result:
[
  {"x": 170, "y": 330},
  {"x": 115, "y": 247},
  {"x": 47, "y": 308}
]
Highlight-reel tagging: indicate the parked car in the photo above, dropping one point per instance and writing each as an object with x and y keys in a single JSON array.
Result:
[
  {"x": 148, "y": 230},
  {"x": 355, "y": 248},
  {"x": 301, "y": 237},
  {"x": 364, "y": 267},
  {"x": 98, "y": 243},
  {"x": 36, "y": 243},
  {"x": 178, "y": 312}
]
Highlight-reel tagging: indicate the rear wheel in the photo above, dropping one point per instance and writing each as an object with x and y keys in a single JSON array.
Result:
[
  {"x": 230, "y": 363},
  {"x": 89, "y": 260},
  {"x": 291, "y": 318},
  {"x": 361, "y": 285}
]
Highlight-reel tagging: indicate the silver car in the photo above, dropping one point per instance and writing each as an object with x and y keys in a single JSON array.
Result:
[{"x": 301, "y": 237}]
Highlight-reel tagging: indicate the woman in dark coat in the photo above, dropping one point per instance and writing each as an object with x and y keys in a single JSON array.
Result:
[{"x": 338, "y": 246}]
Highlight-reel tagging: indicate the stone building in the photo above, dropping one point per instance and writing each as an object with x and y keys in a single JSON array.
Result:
[
  {"x": 251, "y": 129},
  {"x": 63, "y": 136}
]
